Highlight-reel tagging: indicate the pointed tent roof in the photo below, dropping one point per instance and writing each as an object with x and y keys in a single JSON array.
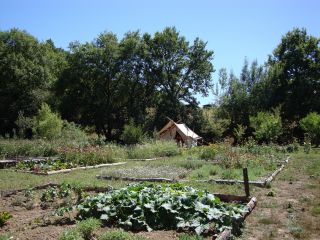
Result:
[{"x": 182, "y": 128}]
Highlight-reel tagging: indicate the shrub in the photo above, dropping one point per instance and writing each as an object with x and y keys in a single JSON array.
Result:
[
  {"x": 132, "y": 134},
  {"x": 268, "y": 126},
  {"x": 73, "y": 135},
  {"x": 87, "y": 227},
  {"x": 311, "y": 125},
  {"x": 119, "y": 235},
  {"x": 70, "y": 235},
  {"x": 4, "y": 217},
  {"x": 158, "y": 148},
  {"x": 239, "y": 132},
  {"x": 47, "y": 124},
  {"x": 24, "y": 124},
  {"x": 208, "y": 152}
]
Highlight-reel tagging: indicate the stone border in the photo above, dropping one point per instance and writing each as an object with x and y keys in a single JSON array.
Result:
[{"x": 72, "y": 169}]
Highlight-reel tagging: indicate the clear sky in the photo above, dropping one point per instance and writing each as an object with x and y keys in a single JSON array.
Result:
[{"x": 233, "y": 29}]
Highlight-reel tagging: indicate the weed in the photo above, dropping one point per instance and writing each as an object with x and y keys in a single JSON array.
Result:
[
  {"x": 119, "y": 235},
  {"x": 190, "y": 237},
  {"x": 4, "y": 217},
  {"x": 87, "y": 227},
  {"x": 70, "y": 235}
]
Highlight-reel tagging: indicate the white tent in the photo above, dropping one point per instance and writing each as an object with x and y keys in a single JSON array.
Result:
[{"x": 179, "y": 132}]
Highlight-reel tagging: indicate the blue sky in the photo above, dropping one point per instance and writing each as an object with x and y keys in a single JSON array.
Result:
[{"x": 233, "y": 29}]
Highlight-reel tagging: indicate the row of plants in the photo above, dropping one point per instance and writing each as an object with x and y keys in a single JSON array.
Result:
[
  {"x": 48, "y": 148},
  {"x": 153, "y": 207},
  {"x": 66, "y": 161}
]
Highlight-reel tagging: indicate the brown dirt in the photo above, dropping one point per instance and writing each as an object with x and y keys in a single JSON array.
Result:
[{"x": 288, "y": 214}]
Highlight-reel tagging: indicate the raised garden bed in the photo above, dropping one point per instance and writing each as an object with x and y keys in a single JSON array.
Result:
[
  {"x": 118, "y": 175},
  {"x": 219, "y": 202}
]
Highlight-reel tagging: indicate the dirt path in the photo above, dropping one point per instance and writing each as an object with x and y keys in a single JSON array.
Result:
[{"x": 290, "y": 209}]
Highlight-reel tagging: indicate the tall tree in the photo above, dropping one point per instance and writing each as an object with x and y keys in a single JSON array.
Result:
[
  {"x": 295, "y": 73},
  {"x": 89, "y": 86},
  {"x": 180, "y": 70},
  {"x": 28, "y": 70}
]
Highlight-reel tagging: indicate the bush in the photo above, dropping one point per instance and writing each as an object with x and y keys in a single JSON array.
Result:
[
  {"x": 311, "y": 125},
  {"x": 87, "y": 227},
  {"x": 119, "y": 235},
  {"x": 132, "y": 134},
  {"x": 268, "y": 126},
  {"x": 70, "y": 235},
  {"x": 73, "y": 135},
  {"x": 47, "y": 124},
  {"x": 208, "y": 152},
  {"x": 158, "y": 148}
]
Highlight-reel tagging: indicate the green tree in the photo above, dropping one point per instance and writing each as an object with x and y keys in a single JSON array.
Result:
[
  {"x": 47, "y": 124},
  {"x": 180, "y": 70},
  {"x": 267, "y": 126},
  {"x": 28, "y": 70},
  {"x": 311, "y": 125},
  {"x": 294, "y": 74}
]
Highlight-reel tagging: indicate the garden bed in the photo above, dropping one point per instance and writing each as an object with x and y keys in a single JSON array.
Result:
[{"x": 27, "y": 217}]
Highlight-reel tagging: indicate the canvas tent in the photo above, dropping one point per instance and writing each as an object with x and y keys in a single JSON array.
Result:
[{"x": 180, "y": 133}]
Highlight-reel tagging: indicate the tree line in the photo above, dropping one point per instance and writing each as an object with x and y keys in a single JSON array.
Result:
[{"x": 142, "y": 79}]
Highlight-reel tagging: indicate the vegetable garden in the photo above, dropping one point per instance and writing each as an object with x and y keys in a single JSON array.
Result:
[{"x": 190, "y": 206}]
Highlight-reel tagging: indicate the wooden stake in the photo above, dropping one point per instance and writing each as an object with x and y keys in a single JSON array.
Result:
[{"x": 246, "y": 181}]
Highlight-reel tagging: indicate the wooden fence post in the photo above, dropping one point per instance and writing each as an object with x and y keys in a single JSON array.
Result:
[{"x": 246, "y": 182}]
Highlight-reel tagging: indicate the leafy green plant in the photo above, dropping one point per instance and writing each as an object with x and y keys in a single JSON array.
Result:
[
  {"x": 311, "y": 125},
  {"x": 47, "y": 124},
  {"x": 87, "y": 227},
  {"x": 208, "y": 152},
  {"x": 4, "y": 217},
  {"x": 132, "y": 134},
  {"x": 268, "y": 126},
  {"x": 149, "y": 206},
  {"x": 49, "y": 195},
  {"x": 239, "y": 132}
]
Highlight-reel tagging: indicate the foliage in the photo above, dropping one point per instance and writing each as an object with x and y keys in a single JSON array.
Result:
[
  {"x": 47, "y": 124},
  {"x": 24, "y": 124},
  {"x": 34, "y": 148},
  {"x": 268, "y": 126},
  {"x": 29, "y": 69},
  {"x": 239, "y": 132},
  {"x": 154, "y": 148},
  {"x": 311, "y": 125},
  {"x": 70, "y": 235},
  {"x": 132, "y": 134},
  {"x": 189, "y": 237},
  {"x": 149, "y": 206},
  {"x": 205, "y": 152},
  {"x": 4, "y": 217},
  {"x": 49, "y": 195},
  {"x": 120, "y": 235},
  {"x": 72, "y": 132},
  {"x": 87, "y": 227},
  {"x": 214, "y": 124},
  {"x": 294, "y": 74}
]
